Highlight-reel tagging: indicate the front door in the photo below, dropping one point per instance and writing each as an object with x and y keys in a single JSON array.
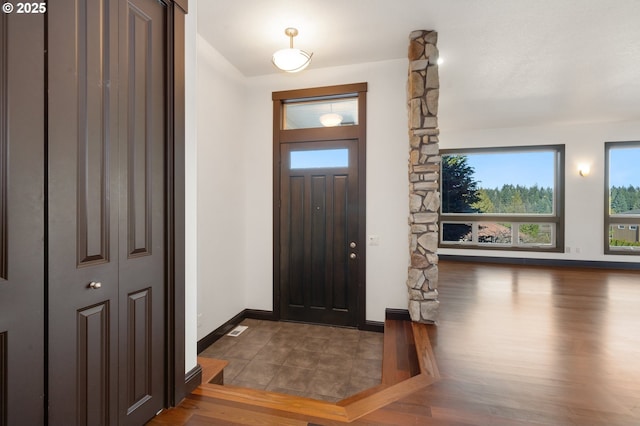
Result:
[
  {"x": 106, "y": 211},
  {"x": 319, "y": 244},
  {"x": 319, "y": 188}
]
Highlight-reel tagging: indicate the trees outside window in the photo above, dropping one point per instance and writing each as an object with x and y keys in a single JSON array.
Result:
[
  {"x": 622, "y": 198},
  {"x": 506, "y": 198}
]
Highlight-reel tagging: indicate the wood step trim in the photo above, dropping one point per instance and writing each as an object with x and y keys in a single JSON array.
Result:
[
  {"x": 208, "y": 412},
  {"x": 275, "y": 401},
  {"x": 424, "y": 351},
  {"x": 361, "y": 395},
  {"x": 386, "y": 396},
  {"x": 212, "y": 368},
  {"x": 399, "y": 361},
  {"x": 311, "y": 407}
]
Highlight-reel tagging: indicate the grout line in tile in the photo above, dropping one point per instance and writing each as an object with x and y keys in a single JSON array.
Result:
[{"x": 299, "y": 336}]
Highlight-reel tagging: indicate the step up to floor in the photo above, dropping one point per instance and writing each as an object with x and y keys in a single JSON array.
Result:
[
  {"x": 408, "y": 365},
  {"x": 212, "y": 370},
  {"x": 400, "y": 360}
]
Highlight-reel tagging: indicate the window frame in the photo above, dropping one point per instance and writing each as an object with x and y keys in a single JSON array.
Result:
[
  {"x": 616, "y": 219},
  {"x": 557, "y": 218}
]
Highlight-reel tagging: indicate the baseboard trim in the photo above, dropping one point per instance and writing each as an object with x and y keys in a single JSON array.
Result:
[
  {"x": 216, "y": 334},
  {"x": 259, "y": 314},
  {"x": 397, "y": 314},
  {"x": 375, "y": 326},
  {"x": 193, "y": 379},
  {"x": 595, "y": 264}
]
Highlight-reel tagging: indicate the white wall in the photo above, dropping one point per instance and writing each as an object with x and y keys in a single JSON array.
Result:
[
  {"x": 221, "y": 170},
  {"x": 584, "y": 196},
  {"x": 387, "y": 197}
]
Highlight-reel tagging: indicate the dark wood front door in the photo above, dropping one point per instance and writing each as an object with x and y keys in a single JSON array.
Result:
[
  {"x": 319, "y": 244},
  {"x": 319, "y": 204},
  {"x": 106, "y": 212}
]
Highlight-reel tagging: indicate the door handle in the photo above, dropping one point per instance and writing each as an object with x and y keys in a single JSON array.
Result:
[
  {"x": 353, "y": 255},
  {"x": 95, "y": 285}
]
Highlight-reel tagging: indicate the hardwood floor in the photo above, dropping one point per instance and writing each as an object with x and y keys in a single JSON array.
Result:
[{"x": 514, "y": 345}]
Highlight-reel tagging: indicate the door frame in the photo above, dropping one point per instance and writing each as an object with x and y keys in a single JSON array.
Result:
[
  {"x": 176, "y": 386},
  {"x": 358, "y": 132}
]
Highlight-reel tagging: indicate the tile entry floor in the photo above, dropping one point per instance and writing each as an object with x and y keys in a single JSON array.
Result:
[{"x": 315, "y": 361}]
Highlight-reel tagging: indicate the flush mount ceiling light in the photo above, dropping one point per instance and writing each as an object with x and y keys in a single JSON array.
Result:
[
  {"x": 291, "y": 60},
  {"x": 331, "y": 119}
]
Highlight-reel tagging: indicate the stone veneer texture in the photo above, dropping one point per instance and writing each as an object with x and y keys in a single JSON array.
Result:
[{"x": 424, "y": 168}]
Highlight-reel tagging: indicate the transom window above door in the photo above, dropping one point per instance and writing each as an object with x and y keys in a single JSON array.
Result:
[{"x": 320, "y": 112}]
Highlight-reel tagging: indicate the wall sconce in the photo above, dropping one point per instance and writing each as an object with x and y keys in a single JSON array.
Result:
[
  {"x": 584, "y": 169},
  {"x": 291, "y": 60}
]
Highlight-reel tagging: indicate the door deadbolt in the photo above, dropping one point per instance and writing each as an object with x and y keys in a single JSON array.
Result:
[{"x": 353, "y": 244}]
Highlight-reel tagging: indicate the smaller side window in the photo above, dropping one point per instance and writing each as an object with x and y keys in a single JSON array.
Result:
[{"x": 622, "y": 198}]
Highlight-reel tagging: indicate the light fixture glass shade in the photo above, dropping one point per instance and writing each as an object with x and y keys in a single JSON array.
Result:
[
  {"x": 291, "y": 60},
  {"x": 584, "y": 169},
  {"x": 331, "y": 119}
]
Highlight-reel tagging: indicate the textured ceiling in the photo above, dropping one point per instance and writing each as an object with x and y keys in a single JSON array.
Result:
[{"x": 506, "y": 62}]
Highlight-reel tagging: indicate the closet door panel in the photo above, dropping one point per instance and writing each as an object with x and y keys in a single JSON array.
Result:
[
  {"x": 83, "y": 212},
  {"x": 143, "y": 126},
  {"x": 107, "y": 183},
  {"x": 21, "y": 219}
]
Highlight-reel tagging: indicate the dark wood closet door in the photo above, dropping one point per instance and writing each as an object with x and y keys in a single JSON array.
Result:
[
  {"x": 83, "y": 205},
  {"x": 107, "y": 141},
  {"x": 143, "y": 130},
  {"x": 319, "y": 234},
  {"x": 21, "y": 219}
]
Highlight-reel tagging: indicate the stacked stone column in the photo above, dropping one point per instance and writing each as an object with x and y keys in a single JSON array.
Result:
[{"x": 424, "y": 169}]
